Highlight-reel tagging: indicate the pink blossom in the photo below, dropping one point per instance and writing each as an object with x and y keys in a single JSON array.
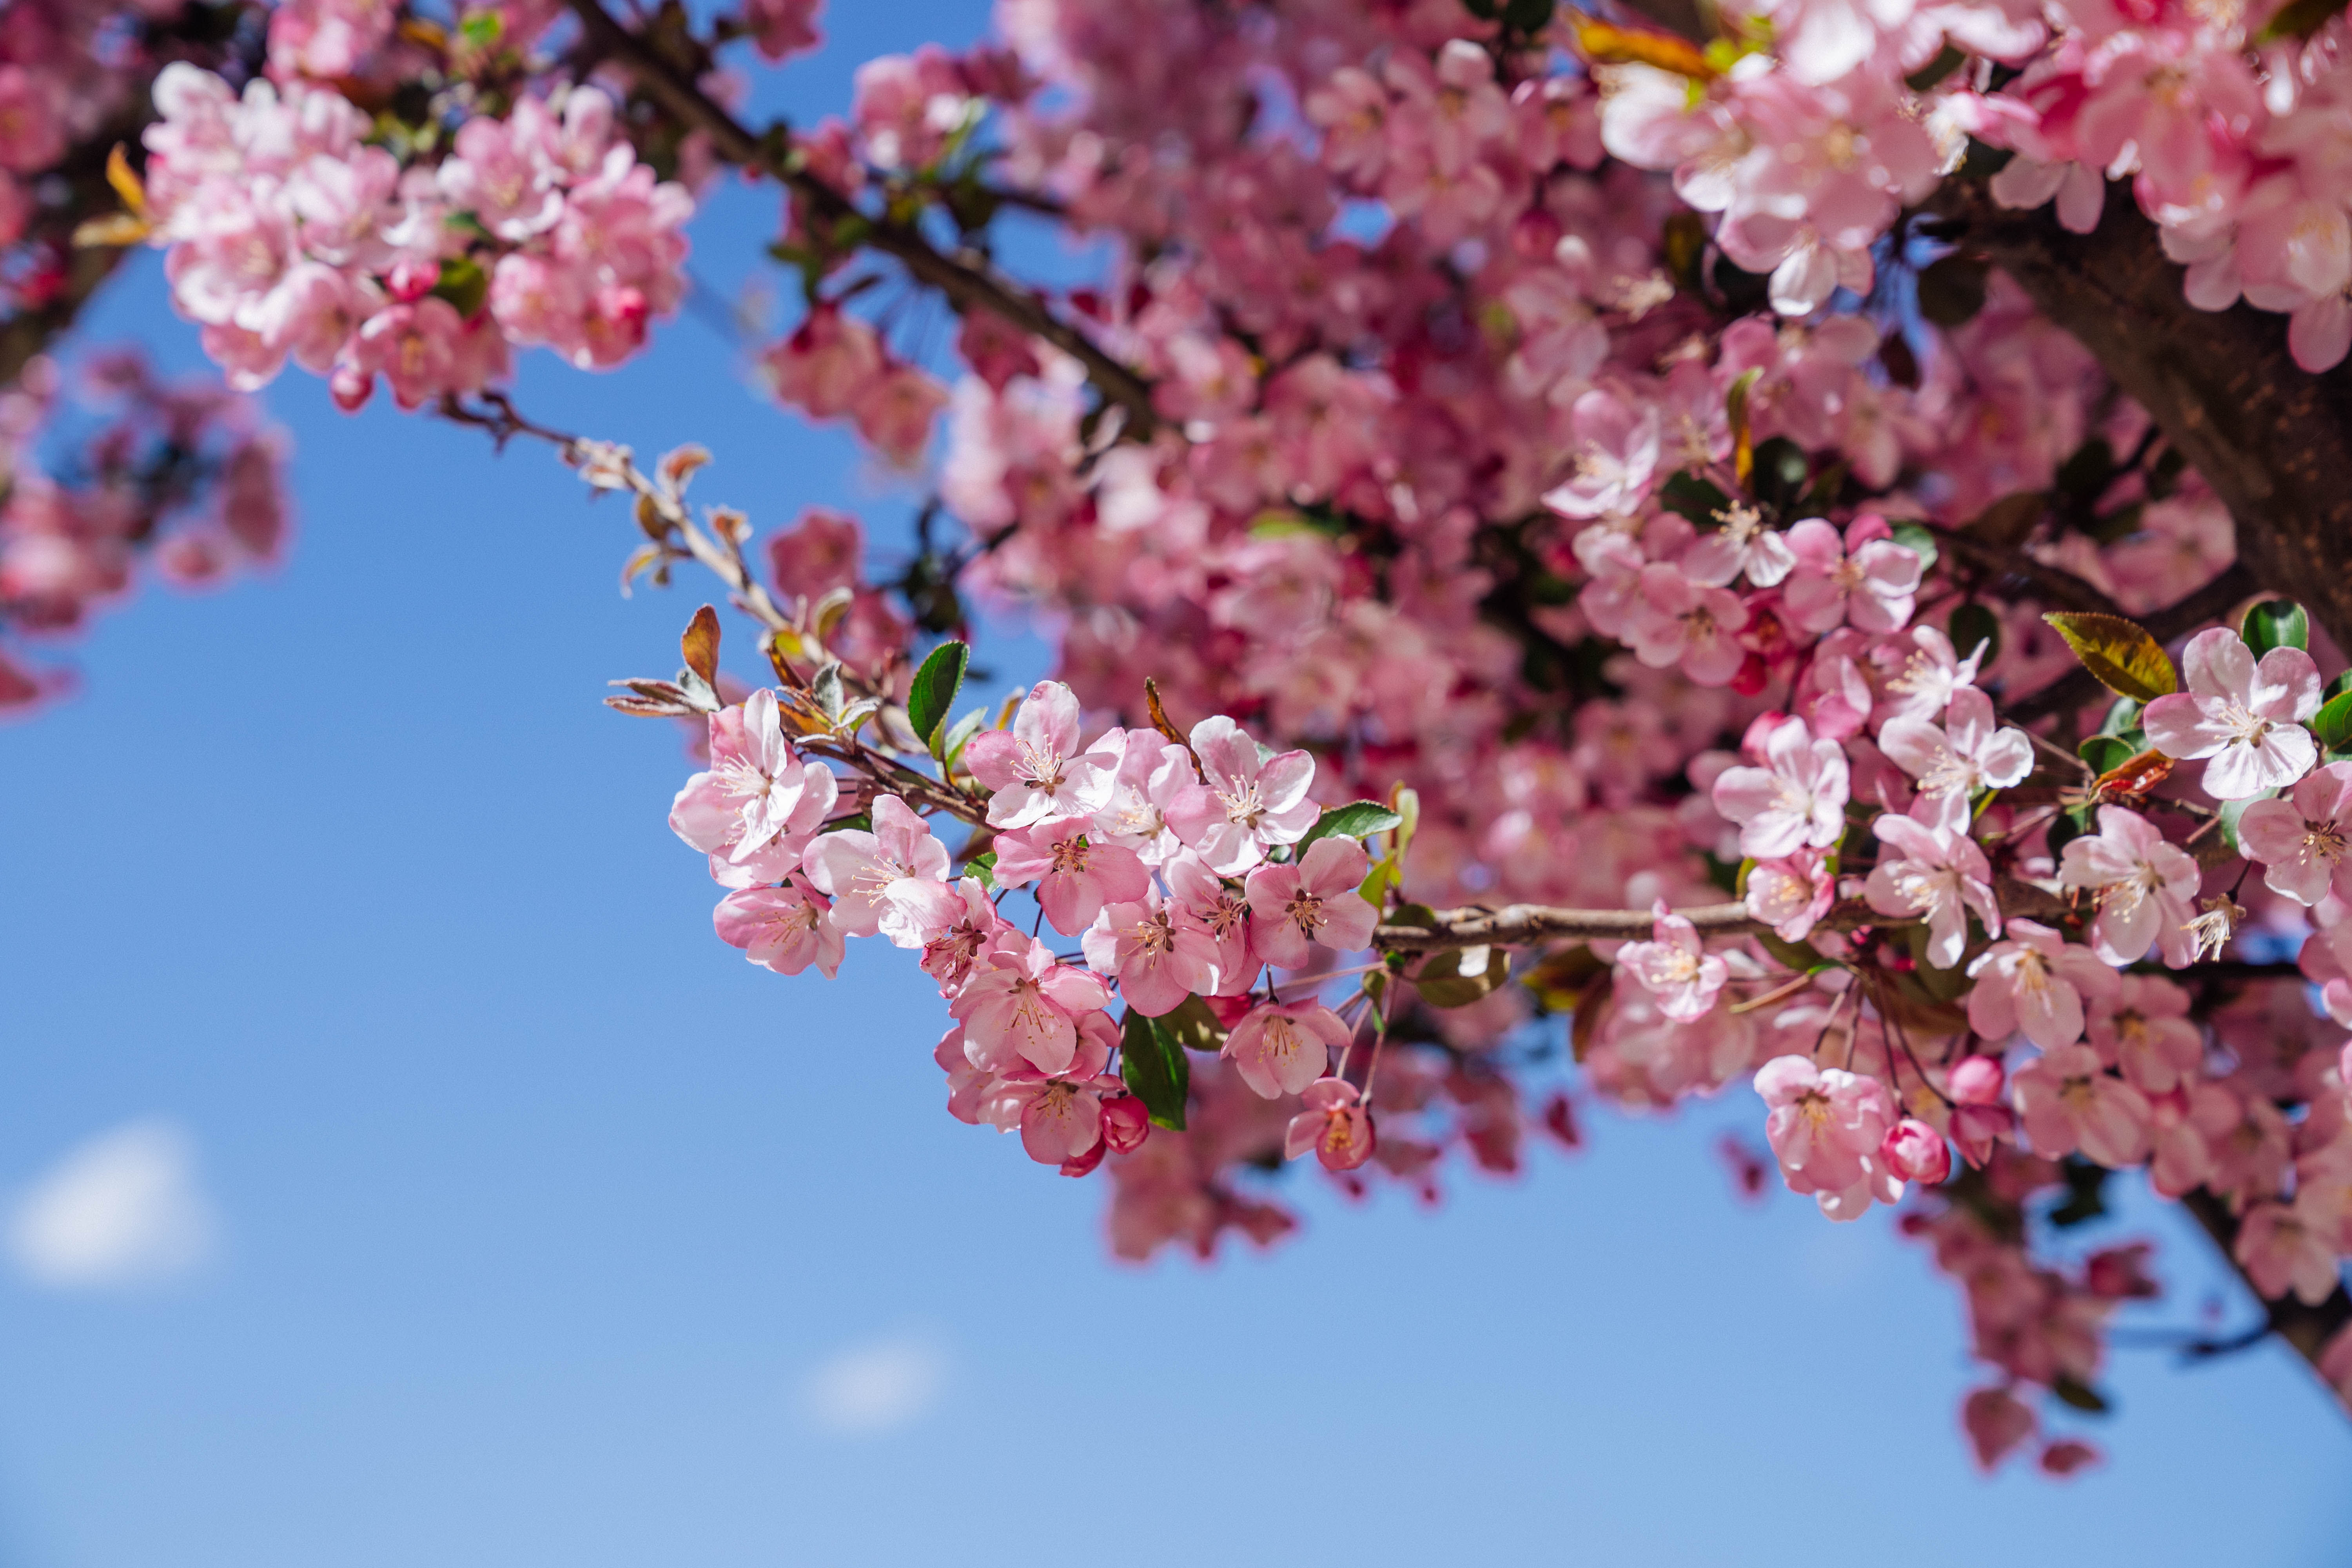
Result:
[
  {"x": 1924, "y": 673},
  {"x": 757, "y": 788},
  {"x": 2301, "y": 841},
  {"x": 1743, "y": 545},
  {"x": 1934, "y": 872},
  {"x": 782, "y": 28},
  {"x": 1675, "y": 967},
  {"x": 1019, "y": 1002},
  {"x": 1036, "y": 769},
  {"x": 2034, "y": 983},
  {"x": 2068, "y": 1102},
  {"x": 1312, "y": 900},
  {"x": 1247, "y": 806},
  {"x": 1159, "y": 953},
  {"x": 1971, "y": 753},
  {"x": 2142, "y": 1027},
  {"x": 1797, "y": 800},
  {"x": 1616, "y": 455},
  {"x": 1336, "y": 1124},
  {"x": 1153, "y": 771},
  {"x": 1280, "y": 1049},
  {"x": 1867, "y": 579},
  {"x": 1826, "y": 1127},
  {"x": 2245, "y": 716},
  {"x": 2288, "y": 1247},
  {"x": 1078, "y": 876},
  {"x": 1060, "y": 1118},
  {"x": 1674, "y": 621},
  {"x": 2146, "y": 887},
  {"x": 893, "y": 880},
  {"x": 947, "y": 957},
  {"x": 1791, "y": 894},
  {"x": 1995, "y": 1422},
  {"x": 786, "y": 929},
  {"x": 1979, "y": 1118},
  {"x": 1914, "y": 1152},
  {"x": 1220, "y": 910}
]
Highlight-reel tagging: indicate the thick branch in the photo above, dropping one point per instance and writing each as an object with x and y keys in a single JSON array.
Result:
[
  {"x": 2275, "y": 442},
  {"x": 966, "y": 279},
  {"x": 2308, "y": 1329}
]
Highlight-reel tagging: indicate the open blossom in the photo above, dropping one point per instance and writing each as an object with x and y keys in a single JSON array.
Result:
[
  {"x": 787, "y": 928},
  {"x": 893, "y": 880},
  {"x": 1313, "y": 901},
  {"x": 1035, "y": 768},
  {"x": 1934, "y": 872},
  {"x": 1152, "y": 771},
  {"x": 1280, "y": 1048},
  {"x": 1791, "y": 894},
  {"x": 2034, "y": 983},
  {"x": 2246, "y": 717},
  {"x": 1159, "y": 953},
  {"x": 1865, "y": 579},
  {"x": 949, "y": 956},
  {"x": 2301, "y": 842},
  {"x": 2068, "y": 1102},
  {"x": 1676, "y": 621},
  {"x": 1020, "y": 1000},
  {"x": 757, "y": 788},
  {"x": 1060, "y": 1118},
  {"x": 1246, "y": 805},
  {"x": 1675, "y": 967},
  {"x": 2146, "y": 886},
  {"x": 1076, "y": 876},
  {"x": 1923, "y": 673},
  {"x": 1223, "y": 912},
  {"x": 2289, "y": 1248},
  {"x": 1796, "y": 801},
  {"x": 2142, "y": 1027},
  {"x": 1743, "y": 545},
  {"x": 1616, "y": 455},
  {"x": 1336, "y": 1124},
  {"x": 1969, "y": 753},
  {"x": 1826, "y": 1127}
]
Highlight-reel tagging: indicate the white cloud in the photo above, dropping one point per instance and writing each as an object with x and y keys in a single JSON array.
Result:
[
  {"x": 123, "y": 1209},
  {"x": 875, "y": 1387}
]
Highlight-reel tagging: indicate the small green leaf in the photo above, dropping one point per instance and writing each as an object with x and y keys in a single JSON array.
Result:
[
  {"x": 1919, "y": 543},
  {"x": 2275, "y": 623},
  {"x": 1193, "y": 1026},
  {"x": 2333, "y": 722},
  {"x": 1688, "y": 495},
  {"x": 482, "y": 29},
  {"x": 984, "y": 866},
  {"x": 953, "y": 739},
  {"x": 464, "y": 284},
  {"x": 1781, "y": 471},
  {"x": 2119, "y": 652},
  {"x": 2073, "y": 1391},
  {"x": 1974, "y": 625},
  {"x": 2122, "y": 718},
  {"x": 1156, "y": 1070},
  {"x": 934, "y": 690},
  {"x": 1357, "y": 819},
  {"x": 1463, "y": 975},
  {"x": 2105, "y": 753}
]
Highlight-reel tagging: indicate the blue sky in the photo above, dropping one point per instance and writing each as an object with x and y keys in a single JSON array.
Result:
[{"x": 544, "y": 1230}]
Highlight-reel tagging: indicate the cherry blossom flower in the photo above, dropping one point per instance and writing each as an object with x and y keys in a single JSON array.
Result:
[
  {"x": 1796, "y": 801},
  {"x": 1979, "y": 1117},
  {"x": 2034, "y": 983},
  {"x": 2145, "y": 886},
  {"x": 1157, "y": 949},
  {"x": 1336, "y": 1124},
  {"x": 2142, "y": 1027},
  {"x": 1224, "y": 913},
  {"x": 1280, "y": 1048},
  {"x": 893, "y": 880},
  {"x": 757, "y": 788},
  {"x": 1675, "y": 967},
  {"x": 1826, "y": 1127},
  {"x": 1865, "y": 579},
  {"x": 1152, "y": 771},
  {"x": 1314, "y": 900},
  {"x": 1616, "y": 455},
  {"x": 1246, "y": 805},
  {"x": 1035, "y": 768},
  {"x": 1076, "y": 876},
  {"x": 1020, "y": 1002},
  {"x": 2288, "y": 1248},
  {"x": 1674, "y": 621},
  {"x": 1924, "y": 673},
  {"x": 1997, "y": 1422},
  {"x": 1060, "y": 1118},
  {"x": 2068, "y": 1102},
  {"x": 1969, "y": 754},
  {"x": 1791, "y": 894},
  {"x": 787, "y": 928},
  {"x": 947, "y": 957},
  {"x": 2301, "y": 841},
  {"x": 1933, "y": 872},
  {"x": 1914, "y": 1152},
  {"x": 2246, "y": 717},
  {"x": 1742, "y": 546}
]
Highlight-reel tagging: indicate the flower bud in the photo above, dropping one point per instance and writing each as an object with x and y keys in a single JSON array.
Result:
[
  {"x": 1536, "y": 235},
  {"x": 1915, "y": 1152},
  {"x": 2120, "y": 1273},
  {"x": 410, "y": 280},
  {"x": 1125, "y": 1123},
  {"x": 1976, "y": 1128},
  {"x": 1977, "y": 1080}
]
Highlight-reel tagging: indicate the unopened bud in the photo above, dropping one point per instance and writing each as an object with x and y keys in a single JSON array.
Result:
[
  {"x": 1914, "y": 1152},
  {"x": 1977, "y": 1080},
  {"x": 1125, "y": 1123}
]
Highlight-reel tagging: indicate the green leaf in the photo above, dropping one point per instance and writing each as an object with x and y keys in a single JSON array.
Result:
[
  {"x": 1692, "y": 497},
  {"x": 1781, "y": 470},
  {"x": 482, "y": 29},
  {"x": 2275, "y": 623},
  {"x": 2106, "y": 753},
  {"x": 1463, "y": 975},
  {"x": 959, "y": 735},
  {"x": 2333, "y": 722},
  {"x": 2119, "y": 652},
  {"x": 2122, "y": 718},
  {"x": 1974, "y": 625},
  {"x": 464, "y": 284},
  {"x": 2299, "y": 19},
  {"x": 2067, "y": 826},
  {"x": 1919, "y": 543},
  {"x": 1156, "y": 1070},
  {"x": 1357, "y": 819},
  {"x": 2073, "y": 1391},
  {"x": 1193, "y": 1026},
  {"x": 934, "y": 691},
  {"x": 984, "y": 866}
]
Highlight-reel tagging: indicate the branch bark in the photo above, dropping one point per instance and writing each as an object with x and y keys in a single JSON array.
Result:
[{"x": 965, "y": 279}]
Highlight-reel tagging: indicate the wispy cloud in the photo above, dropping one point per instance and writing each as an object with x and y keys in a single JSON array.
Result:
[
  {"x": 123, "y": 1209},
  {"x": 878, "y": 1386}
]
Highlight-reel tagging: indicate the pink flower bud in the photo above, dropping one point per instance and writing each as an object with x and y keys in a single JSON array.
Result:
[
  {"x": 1977, "y": 1080},
  {"x": 2120, "y": 1273},
  {"x": 1914, "y": 1152},
  {"x": 1084, "y": 1165},
  {"x": 410, "y": 280},
  {"x": 2066, "y": 1456},
  {"x": 1536, "y": 235},
  {"x": 1125, "y": 1123},
  {"x": 1976, "y": 1128},
  {"x": 351, "y": 387}
]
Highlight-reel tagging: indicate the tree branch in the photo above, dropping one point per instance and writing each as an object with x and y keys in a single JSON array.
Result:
[
  {"x": 2079, "y": 686},
  {"x": 2308, "y": 1329},
  {"x": 965, "y": 279}
]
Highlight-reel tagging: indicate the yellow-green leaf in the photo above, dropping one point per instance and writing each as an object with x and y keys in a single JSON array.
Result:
[{"x": 2120, "y": 653}]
